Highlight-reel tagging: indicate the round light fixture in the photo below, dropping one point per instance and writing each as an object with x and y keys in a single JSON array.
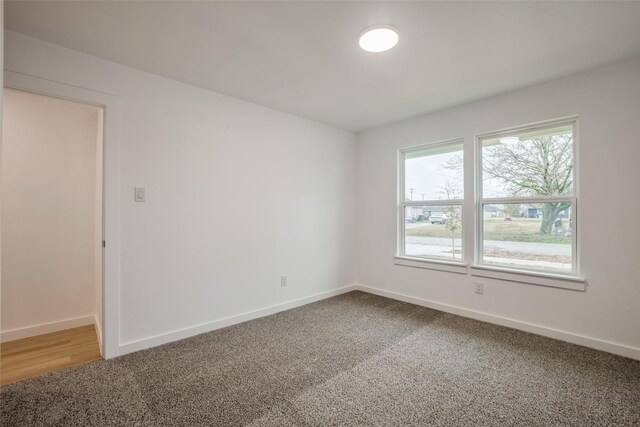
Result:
[{"x": 378, "y": 38}]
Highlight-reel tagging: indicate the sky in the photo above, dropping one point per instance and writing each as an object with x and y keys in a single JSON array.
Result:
[{"x": 428, "y": 176}]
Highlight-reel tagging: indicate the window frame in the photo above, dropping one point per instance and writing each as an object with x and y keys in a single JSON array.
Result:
[
  {"x": 457, "y": 266},
  {"x": 481, "y": 201}
]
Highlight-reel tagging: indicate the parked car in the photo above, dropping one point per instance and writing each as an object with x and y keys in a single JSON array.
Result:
[{"x": 438, "y": 218}]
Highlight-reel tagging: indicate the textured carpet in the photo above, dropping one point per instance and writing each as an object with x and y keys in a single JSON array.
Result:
[{"x": 356, "y": 359}]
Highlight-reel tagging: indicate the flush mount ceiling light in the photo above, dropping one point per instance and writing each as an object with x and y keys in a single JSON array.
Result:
[{"x": 378, "y": 38}]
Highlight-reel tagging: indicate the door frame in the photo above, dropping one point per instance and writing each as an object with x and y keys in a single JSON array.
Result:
[{"x": 112, "y": 126}]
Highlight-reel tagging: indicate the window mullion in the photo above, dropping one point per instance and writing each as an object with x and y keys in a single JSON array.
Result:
[
  {"x": 419, "y": 203},
  {"x": 521, "y": 200}
]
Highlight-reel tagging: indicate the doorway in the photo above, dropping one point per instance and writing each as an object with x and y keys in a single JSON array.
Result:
[{"x": 52, "y": 233}]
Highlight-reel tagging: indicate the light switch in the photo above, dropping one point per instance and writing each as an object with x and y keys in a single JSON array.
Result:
[{"x": 139, "y": 194}]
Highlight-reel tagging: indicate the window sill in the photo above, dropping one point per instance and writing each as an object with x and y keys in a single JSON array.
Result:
[
  {"x": 430, "y": 264},
  {"x": 531, "y": 278}
]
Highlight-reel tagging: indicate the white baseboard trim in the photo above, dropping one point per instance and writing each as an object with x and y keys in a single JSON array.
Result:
[
  {"x": 179, "y": 334},
  {"x": 45, "y": 328},
  {"x": 595, "y": 343},
  {"x": 96, "y": 322}
]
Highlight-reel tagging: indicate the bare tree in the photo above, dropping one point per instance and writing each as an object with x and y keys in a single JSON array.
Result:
[
  {"x": 453, "y": 221},
  {"x": 453, "y": 224},
  {"x": 538, "y": 167}
]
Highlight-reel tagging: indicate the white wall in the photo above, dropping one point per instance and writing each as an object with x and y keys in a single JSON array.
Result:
[
  {"x": 608, "y": 103},
  {"x": 237, "y": 195},
  {"x": 48, "y": 188}
]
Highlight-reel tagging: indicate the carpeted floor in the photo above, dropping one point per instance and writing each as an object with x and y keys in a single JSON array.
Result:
[{"x": 356, "y": 359}]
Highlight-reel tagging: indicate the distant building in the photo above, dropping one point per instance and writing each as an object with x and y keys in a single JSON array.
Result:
[
  {"x": 418, "y": 213},
  {"x": 531, "y": 211}
]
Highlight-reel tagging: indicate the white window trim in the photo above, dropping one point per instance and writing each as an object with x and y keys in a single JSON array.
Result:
[
  {"x": 571, "y": 281},
  {"x": 431, "y": 264},
  {"x": 520, "y": 274},
  {"x": 529, "y": 277},
  {"x": 423, "y": 262}
]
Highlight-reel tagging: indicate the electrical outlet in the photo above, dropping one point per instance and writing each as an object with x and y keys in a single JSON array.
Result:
[
  {"x": 479, "y": 287},
  {"x": 283, "y": 280}
]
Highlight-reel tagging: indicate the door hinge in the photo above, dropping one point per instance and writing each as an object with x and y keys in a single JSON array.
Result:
[{"x": 104, "y": 244}]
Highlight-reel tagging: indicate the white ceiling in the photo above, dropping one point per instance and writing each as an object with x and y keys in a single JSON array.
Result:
[{"x": 303, "y": 57}]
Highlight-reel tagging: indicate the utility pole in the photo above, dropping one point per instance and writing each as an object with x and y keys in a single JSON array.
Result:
[{"x": 411, "y": 190}]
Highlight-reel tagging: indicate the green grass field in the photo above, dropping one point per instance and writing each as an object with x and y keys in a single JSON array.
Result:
[{"x": 516, "y": 230}]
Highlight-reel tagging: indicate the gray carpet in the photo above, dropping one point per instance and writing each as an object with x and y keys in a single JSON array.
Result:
[{"x": 356, "y": 359}]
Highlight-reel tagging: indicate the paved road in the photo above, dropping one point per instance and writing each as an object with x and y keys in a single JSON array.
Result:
[
  {"x": 440, "y": 247},
  {"x": 528, "y": 247}
]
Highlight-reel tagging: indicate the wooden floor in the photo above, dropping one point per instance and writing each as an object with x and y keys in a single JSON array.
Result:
[{"x": 30, "y": 357}]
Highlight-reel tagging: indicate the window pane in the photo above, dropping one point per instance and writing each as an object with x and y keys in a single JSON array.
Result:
[
  {"x": 433, "y": 232},
  {"x": 528, "y": 236},
  {"x": 434, "y": 173},
  {"x": 535, "y": 163}
]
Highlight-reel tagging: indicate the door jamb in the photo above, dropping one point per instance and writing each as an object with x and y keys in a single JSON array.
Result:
[{"x": 112, "y": 125}]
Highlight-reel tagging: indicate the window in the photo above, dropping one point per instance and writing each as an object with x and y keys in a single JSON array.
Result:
[
  {"x": 431, "y": 197},
  {"x": 526, "y": 214}
]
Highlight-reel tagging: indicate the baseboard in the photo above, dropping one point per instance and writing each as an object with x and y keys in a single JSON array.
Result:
[
  {"x": 168, "y": 337},
  {"x": 45, "y": 328},
  {"x": 96, "y": 322},
  {"x": 595, "y": 343}
]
